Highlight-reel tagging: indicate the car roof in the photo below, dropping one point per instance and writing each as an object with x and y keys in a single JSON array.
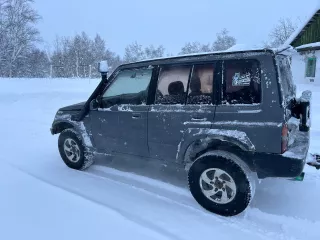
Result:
[{"x": 201, "y": 57}]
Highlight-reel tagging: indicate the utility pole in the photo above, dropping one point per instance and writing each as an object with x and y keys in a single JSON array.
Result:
[{"x": 51, "y": 70}]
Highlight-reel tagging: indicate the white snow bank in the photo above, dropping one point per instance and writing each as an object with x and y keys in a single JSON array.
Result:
[{"x": 40, "y": 85}]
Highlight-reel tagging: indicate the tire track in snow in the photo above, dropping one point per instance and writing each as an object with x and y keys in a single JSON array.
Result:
[
  {"x": 292, "y": 227},
  {"x": 127, "y": 215},
  {"x": 231, "y": 222},
  {"x": 252, "y": 216},
  {"x": 144, "y": 222},
  {"x": 252, "y": 220}
]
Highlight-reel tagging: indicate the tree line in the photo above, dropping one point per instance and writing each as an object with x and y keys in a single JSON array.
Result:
[{"x": 78, "y": 56}]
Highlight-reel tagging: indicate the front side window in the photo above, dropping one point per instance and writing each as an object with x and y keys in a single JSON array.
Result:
[
  {"x": 241, "y": 82},
  {"x": 172, "y": 85},
  {"x": 311, "y": 67},
  {"x": 201, "y": 84},
  {"x": 129, "y": 84}
]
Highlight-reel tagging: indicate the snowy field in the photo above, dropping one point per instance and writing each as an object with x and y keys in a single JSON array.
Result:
[{"x": 40, "y": 198}]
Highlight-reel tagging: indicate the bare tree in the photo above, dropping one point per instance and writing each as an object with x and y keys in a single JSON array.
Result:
[
  {"x": 134, "y": 52},
  {"x": 35, "y": 64},
  {"x": 154, "y": 52},
  {"x": 114, "y": 60},
  {"x": 281, "y": 32},
  {"x": 194, "y": 47},
  {"x": 100, "y": 52},
  {"x": 60, "y": 62},
  {"x": 18, "y": 32},
  {"x": 224, "y": 41},
  {"x": 78, "y": 56}
]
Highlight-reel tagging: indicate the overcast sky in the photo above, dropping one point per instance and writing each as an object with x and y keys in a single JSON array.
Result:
[{"x": 167, "y": 22}]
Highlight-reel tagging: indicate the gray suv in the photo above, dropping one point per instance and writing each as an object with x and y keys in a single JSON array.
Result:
[{"x": 227, "y": 118}]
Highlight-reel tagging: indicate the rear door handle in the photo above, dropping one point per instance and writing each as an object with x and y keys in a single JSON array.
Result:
[
  {"x": 198, "y": 119},
  {"x": 136, "y": 116}
]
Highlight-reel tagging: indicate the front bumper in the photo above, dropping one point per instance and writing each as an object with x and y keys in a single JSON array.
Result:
[{"x": 287, "y": 165}]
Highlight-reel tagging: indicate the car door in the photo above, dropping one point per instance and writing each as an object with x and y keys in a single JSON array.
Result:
[
  {"x": 119, "y": 125},
  {"x": 184, "y": 99}
]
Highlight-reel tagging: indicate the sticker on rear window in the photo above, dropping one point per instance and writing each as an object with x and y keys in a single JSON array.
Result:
[{"x": 241, "y": 80}]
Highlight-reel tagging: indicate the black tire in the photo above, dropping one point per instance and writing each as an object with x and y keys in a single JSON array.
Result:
[
  {"x": 85, "y": 158},
  {"x": 244, "y": 187}
]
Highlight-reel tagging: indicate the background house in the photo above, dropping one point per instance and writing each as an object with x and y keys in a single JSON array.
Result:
[{"x": 306, "y": 41}]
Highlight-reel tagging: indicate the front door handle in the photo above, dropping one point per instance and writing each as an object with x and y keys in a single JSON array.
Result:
[{"x": 136, "y": 116}]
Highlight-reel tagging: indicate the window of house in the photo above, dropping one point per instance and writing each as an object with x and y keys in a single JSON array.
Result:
[
  {"x": 201, "y": 84},
  {"x": 311, "y": 67},
  {"x": 241, "y": 82},
  {"x": 172, "y": 85}
]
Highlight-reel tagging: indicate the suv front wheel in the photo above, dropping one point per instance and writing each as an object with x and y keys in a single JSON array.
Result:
[
  {"x": 220, "y": 185},
  {"x": 72, "y": 150}
]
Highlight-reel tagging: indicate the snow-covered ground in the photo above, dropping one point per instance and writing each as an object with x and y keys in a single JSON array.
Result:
[{"x": 40, "y": 198}]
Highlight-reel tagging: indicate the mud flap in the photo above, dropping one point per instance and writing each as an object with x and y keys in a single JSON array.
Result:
[{"x": 300, "y": 177}]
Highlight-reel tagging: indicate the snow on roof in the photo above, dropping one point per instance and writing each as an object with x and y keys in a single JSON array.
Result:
[
  {"x": 295, "y": 34},
  {"x": 236, "y": 48},
  {"x": 309, "y": 45}
]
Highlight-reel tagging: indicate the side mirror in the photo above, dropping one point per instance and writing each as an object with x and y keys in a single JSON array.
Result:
[
  {"x": 99, "y": 99},
  {"x": 103, "y": 67},
  {"x": 96, "y": 103}
]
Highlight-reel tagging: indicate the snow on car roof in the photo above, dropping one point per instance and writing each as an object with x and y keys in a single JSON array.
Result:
[{"x": 238, "y": 48}]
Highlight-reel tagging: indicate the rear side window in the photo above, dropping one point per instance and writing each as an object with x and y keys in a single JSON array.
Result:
[
  {"x": 201, "y": 84},
  {"x": 172, "y": 85},
  {"x": 241, "y": 82}
]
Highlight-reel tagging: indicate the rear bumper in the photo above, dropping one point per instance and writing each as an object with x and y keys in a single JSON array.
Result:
[{"x": 287, "y": 165}]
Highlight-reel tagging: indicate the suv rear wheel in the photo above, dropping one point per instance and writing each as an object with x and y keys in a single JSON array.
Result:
[
  {"x": 220, "y": 185},
  {"x": 73, "y": 151}
]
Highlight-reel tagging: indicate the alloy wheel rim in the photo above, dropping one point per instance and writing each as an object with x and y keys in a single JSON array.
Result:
[
  {"x": 71, "y": 150},
  {"x": 218, "y": 186}
]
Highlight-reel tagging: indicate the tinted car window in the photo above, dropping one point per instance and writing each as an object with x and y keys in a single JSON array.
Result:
[
  {"x": 201, "y": 84},
  {"x": 172, "y": 85},
  {"x": 241, "y": 82}
]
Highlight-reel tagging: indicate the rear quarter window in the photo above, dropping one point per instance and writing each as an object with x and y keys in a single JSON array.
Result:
[
  {"x": 285, "y": 78},
  {"x": 241, "y": 82}
]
